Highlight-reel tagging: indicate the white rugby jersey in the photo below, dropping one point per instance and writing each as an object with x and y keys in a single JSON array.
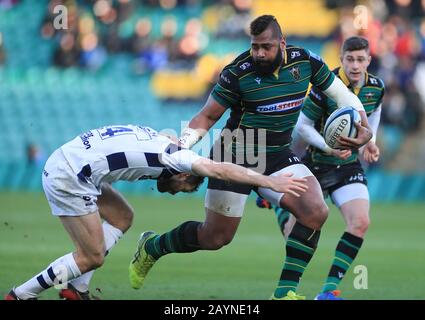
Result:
[{"x": 126, "y": 152}]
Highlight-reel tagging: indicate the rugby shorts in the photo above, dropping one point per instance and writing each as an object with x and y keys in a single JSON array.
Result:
[
  {"x": 228, "y": 198},
  {"x": 66, "y": 193}
]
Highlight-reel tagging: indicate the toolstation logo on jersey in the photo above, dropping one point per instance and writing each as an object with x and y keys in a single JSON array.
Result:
[{"x": 281, "y": 106}]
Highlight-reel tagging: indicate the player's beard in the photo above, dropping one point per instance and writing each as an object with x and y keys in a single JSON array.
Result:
[{"x": 265, "y": 68}]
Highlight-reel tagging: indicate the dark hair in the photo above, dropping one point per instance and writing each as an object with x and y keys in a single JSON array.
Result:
[
  {"x": 196, "y": 181},
  {"x": 260, "y": 24},
  {"x": 355, "y": 43}
]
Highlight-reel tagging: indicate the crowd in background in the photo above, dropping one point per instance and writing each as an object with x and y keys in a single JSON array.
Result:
[
  {"x": 99, "y": 29},
  {"x": 96, "y": 30},
  {"x": 397, "y": 39}
]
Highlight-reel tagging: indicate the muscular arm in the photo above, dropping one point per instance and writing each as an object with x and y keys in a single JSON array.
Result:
[
  {"x": 208, "y": 116},
  {"x": 238, "y": 174},
  {"x": 201, "y": 122}
]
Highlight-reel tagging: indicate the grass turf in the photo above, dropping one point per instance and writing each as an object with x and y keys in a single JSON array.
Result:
[{"x": 248, "y": 268}]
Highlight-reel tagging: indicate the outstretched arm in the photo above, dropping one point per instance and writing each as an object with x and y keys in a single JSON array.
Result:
[
  {"x": 201, "y": 123},
  {"x": 234, "y": 173}
]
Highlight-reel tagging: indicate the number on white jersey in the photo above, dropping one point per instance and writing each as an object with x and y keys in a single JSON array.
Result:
[{"x": 142, "y": 134}]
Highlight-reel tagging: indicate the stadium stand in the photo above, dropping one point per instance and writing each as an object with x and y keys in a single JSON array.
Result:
[{"x": 153, "y": 62}]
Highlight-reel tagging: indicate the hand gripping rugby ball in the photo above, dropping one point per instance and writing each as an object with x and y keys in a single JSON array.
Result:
[{"x": 340, "y": 123}]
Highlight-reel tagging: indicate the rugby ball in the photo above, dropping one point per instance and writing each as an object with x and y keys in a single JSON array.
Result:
[{"x": 341, "y": 124}]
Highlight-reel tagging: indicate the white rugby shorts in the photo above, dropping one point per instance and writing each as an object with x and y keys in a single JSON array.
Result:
[
  {"x": 349, "y": 192},
  {"x": 66, "y": 193},
  {"x": 232, "y": 204}
]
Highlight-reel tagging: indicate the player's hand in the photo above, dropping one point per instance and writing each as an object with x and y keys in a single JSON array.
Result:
[
  {"x": 263, "y": 203},
  {"x": 364, "y": 134},
  {"x": 284, "y": 183},
  {"x": 371, "y": 152},
  {"x": 341, "y": 154}
]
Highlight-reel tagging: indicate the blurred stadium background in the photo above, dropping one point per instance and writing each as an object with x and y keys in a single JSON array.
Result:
[{"x": 153, "y": 62}]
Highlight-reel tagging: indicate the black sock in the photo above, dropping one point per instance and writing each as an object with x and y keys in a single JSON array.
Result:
[
  {"x": 345, "y": 253},
  {"x": 300, "y": 247},
  {"x": 183, "y": 238}
]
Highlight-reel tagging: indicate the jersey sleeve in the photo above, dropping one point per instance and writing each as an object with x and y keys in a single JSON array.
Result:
[
  {"x": 321, "y": 76},
  {"x": 227, "y": 91},
  {"x": 382, "y": 94},
  {"x": 315, "y": 104},
  {"x": 180, "y": 161}
]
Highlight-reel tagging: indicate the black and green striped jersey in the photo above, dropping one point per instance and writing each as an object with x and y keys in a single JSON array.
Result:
[
  {"x": 270, "y": 102},
  {"x": 318, "y": 107}
]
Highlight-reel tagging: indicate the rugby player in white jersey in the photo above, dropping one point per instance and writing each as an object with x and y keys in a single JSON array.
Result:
[{"x": 77, "y": 181}]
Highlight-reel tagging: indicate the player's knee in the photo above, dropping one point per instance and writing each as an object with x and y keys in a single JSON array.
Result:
[
  {"x": 212, "y": 236},
  {"x": 90, "y": 261},
  {"x": 96, "y": 260},
  {"x": 359, "y": 226},
  {"x": 319, "y": 213},
  {"x": 323, "y": 211},
  {"x": 126, "y": 220},
  {"x": 221, "y": 241}
]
